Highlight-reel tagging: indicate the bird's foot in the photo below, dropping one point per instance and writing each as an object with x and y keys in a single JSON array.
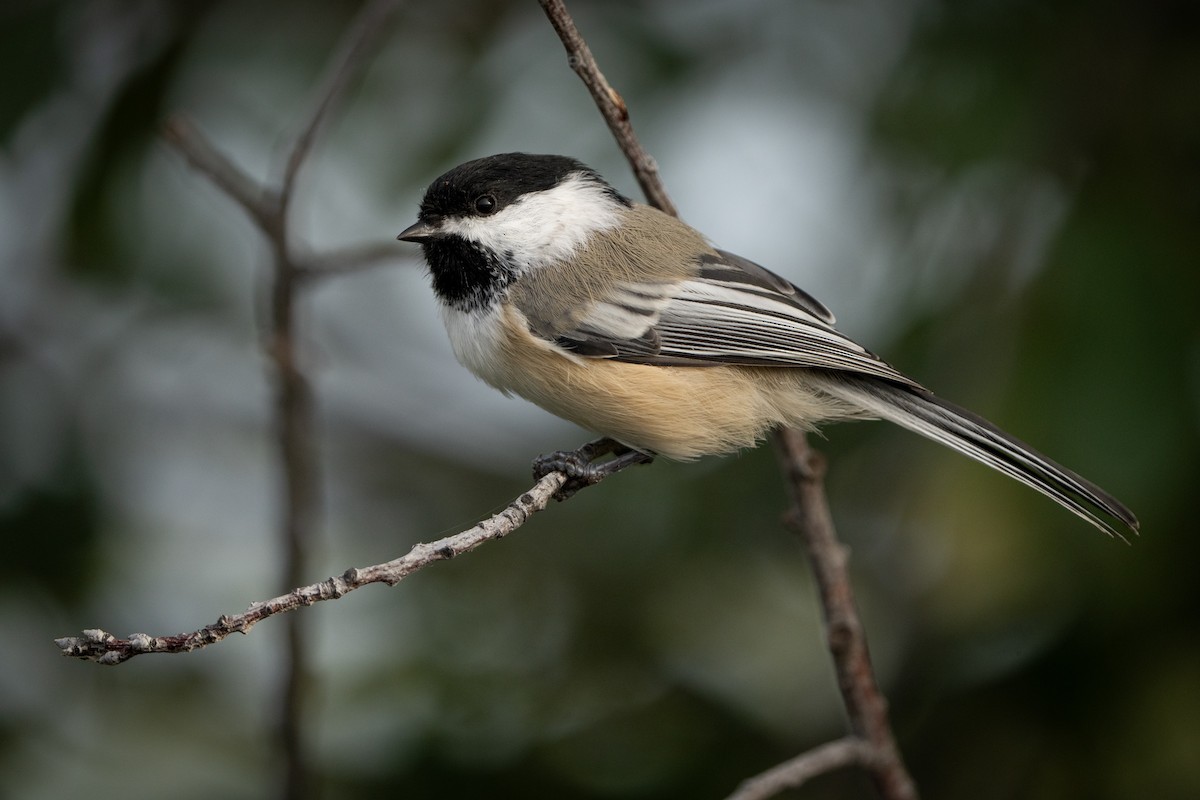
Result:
[{"x": 580, "y": 465}]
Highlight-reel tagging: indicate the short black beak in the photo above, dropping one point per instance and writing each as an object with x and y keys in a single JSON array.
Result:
[{"x": 419, "y": 232}]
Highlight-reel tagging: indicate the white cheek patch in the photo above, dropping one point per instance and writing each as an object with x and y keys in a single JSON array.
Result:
[{"x": 543, "y": 227}]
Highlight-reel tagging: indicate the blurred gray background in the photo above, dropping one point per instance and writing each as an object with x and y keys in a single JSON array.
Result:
[{"x": 999, "y": 196}]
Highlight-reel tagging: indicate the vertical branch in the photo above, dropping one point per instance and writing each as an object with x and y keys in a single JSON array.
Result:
[
  {"x": 295, "y": 421},
  {"x": 865, "y": 705},
  {"x": 294, "y": 407}
]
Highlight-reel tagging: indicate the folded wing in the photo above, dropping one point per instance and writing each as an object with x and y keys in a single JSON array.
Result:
[{"x": 732, "y": 311}]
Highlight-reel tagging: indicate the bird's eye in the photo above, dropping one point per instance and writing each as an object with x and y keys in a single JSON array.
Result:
[{"x": 485, "y": 204}]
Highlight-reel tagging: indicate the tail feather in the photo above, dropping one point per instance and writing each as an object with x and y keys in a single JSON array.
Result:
[{"x": 974, "y": 436}]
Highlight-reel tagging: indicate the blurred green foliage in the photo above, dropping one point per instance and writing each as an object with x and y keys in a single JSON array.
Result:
[{"x": 1016, "y": 226}]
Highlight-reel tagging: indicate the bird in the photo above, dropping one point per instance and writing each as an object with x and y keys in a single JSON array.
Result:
[{"x": 609, "y": 313}]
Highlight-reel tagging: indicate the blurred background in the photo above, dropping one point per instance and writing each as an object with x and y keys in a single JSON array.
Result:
[{"x": 999, "y": 196}]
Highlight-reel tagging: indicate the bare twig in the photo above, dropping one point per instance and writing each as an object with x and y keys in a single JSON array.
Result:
[
  {"x": 795, "y": 772},
  {"x": 357, "y": 45},
  {"x": 211, "y": 162},
  {"x": 612, "y": 106},
  {"x": 104, "y": 648},
  {"x": 347, "y": 260},
  {"x": 865, "y": 704}
]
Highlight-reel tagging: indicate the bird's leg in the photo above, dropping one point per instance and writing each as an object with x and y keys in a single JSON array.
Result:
[{"x": 580, "y": 468}]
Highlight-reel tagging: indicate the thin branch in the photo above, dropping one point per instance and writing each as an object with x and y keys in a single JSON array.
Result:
[
  {"x": 357, "y": 45},
  {"x": 795, "y": 772},
  {"x": 294, "y": 403},
  {"x": 104, "y": 648},
  {"x": 611, "y": 105},
  {"x": 357, "y": 258},
  {"x": 216, "y": 166},
  {"x": 865, "y": 704},
  {"x": 294, "y": 423}
]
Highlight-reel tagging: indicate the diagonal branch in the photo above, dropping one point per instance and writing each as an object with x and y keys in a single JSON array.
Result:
[
  {"x": 206, "y": 159},
  {"x": 612, "y": 106},
  {"x": 104, "y": 648},
  {"x": 357, "y": 45}
]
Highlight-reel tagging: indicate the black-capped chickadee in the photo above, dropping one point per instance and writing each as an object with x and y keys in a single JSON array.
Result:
[{"x": 627, "y": 322}]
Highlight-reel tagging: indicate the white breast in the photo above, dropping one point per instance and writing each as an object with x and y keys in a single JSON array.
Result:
[
  {"x": 476, "y": 338},
  {"x": 493, "y": 345}
]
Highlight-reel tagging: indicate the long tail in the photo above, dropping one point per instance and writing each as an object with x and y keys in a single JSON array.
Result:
[{"x": 972, "y": 435}]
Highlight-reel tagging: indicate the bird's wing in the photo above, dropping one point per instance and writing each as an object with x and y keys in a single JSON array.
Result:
[{"x": 731, "y": 311}]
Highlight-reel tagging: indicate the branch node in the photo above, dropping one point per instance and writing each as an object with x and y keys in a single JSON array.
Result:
[
  {"x": 334, "y": 588},
  {"x": 841, "y": 635},
  {"x": 141, "y": 642},
  {"x": 97, "y": 636},
  {"x": 619, "y": 102}
]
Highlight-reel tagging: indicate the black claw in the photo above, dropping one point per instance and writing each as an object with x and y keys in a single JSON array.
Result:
[{"x": 580, "y": 468}]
